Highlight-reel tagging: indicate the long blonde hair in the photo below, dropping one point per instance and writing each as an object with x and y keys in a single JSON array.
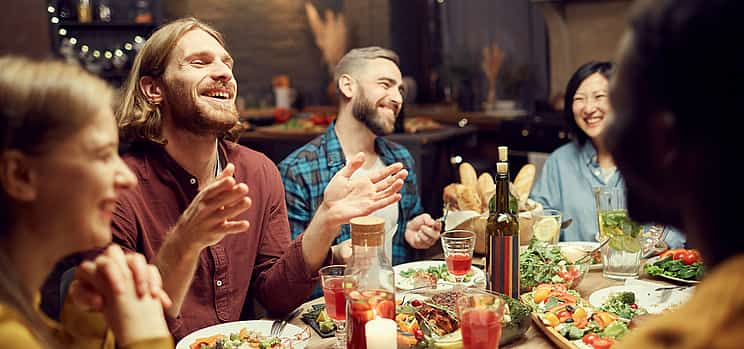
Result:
[
  {"x": 41, "y": 104},
  {"x": 137, "y": 118}
]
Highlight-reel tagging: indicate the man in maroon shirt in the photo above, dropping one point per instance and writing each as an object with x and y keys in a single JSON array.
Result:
[{"x": 217, "y": 244}]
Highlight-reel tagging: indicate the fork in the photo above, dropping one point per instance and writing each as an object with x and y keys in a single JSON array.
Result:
[
  {"x": 444, "y": 218},
  {"x": 588, "y": 255},
  {"x": 277, "y": 327}
]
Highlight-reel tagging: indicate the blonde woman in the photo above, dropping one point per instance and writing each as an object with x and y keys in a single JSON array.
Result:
[{"x": 60, "y": 175}]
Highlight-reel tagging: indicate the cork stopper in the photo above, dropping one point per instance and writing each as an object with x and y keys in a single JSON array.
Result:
[
  {"x": 502, "y": 168},
  {"x": 503, "y": 153},
  {"x": 367, "y": 231}
]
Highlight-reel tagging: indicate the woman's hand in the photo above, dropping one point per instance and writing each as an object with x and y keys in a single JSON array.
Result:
[{"x": 126, "y": 290}]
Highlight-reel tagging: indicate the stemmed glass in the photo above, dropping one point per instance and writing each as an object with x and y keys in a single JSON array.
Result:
[
  {"x": 332, "y": 280},
  {"x": 458, "y": 252}
]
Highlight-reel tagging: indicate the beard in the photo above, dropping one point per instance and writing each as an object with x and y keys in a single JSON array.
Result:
[
  {"x": 366, "y": 112},
  {"x": 190, "y": 113}
]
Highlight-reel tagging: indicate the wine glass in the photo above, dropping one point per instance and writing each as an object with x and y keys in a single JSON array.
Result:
[
  {"x": 458, "y": 253},
  {"x": 332, "y": 280}
]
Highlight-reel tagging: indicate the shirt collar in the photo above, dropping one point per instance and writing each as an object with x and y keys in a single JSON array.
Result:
[
  {"x": 335, "y": 154},
  {"x": 589, "y": 154}
]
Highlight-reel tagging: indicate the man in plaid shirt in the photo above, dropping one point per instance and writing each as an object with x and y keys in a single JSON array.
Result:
[{"x": 370, "y": 88}]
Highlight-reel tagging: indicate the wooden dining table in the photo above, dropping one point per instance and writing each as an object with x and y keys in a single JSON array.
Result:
[{"x": 533, "y": 339}]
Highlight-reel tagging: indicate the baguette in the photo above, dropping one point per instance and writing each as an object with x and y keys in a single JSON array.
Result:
[
  {"x": 468, "y": 177},
  {"x": 459, "y": 197},
  {"x": 486, "y": 189},
  {"x": 523, "y": 181}
]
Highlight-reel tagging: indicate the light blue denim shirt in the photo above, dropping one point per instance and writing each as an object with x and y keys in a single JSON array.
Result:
[{"x": 565, "y": 183}]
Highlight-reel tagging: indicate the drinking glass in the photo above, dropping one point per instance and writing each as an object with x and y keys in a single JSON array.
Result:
[
  {"x": 480, "y": 319},
  {"x": 458, "y": 253},
  {"x": 621, "y": 256},
  {"x": 547, "y": 226},
  {"x": 332, "y": 280}
]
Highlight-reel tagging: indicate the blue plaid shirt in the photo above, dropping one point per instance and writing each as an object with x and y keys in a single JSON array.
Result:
[{"x": 307, "y": 171}]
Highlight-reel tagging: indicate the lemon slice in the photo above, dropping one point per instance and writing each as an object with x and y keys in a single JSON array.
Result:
[
  {"x": 545, "y": 229},
  {"x": 631, "y": 244}
]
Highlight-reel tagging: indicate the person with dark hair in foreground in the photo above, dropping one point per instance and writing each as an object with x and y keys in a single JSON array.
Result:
[{"x": 677, "y": 88}]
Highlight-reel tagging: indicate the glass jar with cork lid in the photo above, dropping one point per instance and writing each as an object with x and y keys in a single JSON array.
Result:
[{"x": 368, "y": 280}]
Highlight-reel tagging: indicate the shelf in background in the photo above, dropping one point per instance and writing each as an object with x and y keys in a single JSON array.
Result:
[{"x": 107, "y": 25}]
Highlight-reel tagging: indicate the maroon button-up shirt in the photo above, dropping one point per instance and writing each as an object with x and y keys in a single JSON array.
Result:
[{"x": 263, "y": 260}]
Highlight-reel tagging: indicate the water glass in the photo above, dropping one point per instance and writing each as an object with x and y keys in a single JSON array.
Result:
[
  {"x": 547, "y": 226},
  {"x": 332, "y": 280},
  {"x": 458, "y": 248},
  {"x": 480, "y": 320},
  {"x": 621, "y": 256}
]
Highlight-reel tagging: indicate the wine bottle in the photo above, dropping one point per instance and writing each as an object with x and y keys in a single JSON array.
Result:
[{"x": 502, "y": 234}]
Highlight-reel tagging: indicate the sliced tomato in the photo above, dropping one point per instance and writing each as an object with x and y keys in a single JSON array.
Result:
[
  {"x": 589, "y": 338},
  {"x": 601, "y": 343},
  {"x": 563, "y": 316}
]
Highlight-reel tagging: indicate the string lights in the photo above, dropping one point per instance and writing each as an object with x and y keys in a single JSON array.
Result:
[{"x": 95, "y": 59}]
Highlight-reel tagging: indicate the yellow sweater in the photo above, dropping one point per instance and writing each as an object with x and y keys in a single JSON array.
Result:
[
  {"x": 712, "y": 319},
  {"x": 79, "y": 330}
]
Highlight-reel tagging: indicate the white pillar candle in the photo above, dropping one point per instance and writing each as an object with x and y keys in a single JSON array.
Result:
[{"x": 381, "y": 334}]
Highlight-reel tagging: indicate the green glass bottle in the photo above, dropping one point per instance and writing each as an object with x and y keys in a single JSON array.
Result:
[
  {"x": 513, "y": 202},
  {"x": 502, "y": 234}
]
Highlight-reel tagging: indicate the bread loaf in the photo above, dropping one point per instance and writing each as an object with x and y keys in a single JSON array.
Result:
[
  {"x": 468, "y": 177},
  {"x": 523, "y": 181},
  {"x": 460, "y": 197},
  {"x": 486, "y": 189}
]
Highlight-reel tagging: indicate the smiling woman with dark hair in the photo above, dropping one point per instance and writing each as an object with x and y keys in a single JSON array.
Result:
[{"x": 573, "y": 170}]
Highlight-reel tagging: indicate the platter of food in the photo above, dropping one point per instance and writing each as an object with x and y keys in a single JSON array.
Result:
[
  {"x": 679, "y": 265},
  {"x": 427, "y": 318},
  {"x": 572, "y": 322},
  {"x": 431, "y": 273},
  {"x": 646, "y": 297},
  {"x": 245, "y": 334}
]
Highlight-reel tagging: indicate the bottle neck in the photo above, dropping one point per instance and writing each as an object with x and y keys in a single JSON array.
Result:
[{"x": 501, "y": 196}]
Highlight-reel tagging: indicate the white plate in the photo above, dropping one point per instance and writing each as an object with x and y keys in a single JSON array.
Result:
[
  {"x": 405, "y": 283},
  {"x": 653, "y": 260},
  {"x": 263, "y": 326},
  {"x": 584, "y": 245},
  {"x": 646, "y": 297}
]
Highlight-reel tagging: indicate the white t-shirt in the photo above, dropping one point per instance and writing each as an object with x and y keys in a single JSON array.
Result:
[{"x": 388, "y": 213}]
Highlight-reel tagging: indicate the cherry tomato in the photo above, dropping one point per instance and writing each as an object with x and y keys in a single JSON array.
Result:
[
  {"x": 565, "y": 275},
  {"x": 634, "y": 306},
  {"x": 601, "y": 343},
  {"x": 695, "y": 252},
  {"x": 563, "y": 316},
  {"x": 689, "y": 258},
  {"x": 416, "y": 303},
  {"x": 418, "y": 333},
  {"x": 589, "y": 338},
  {"x": 679, "y": 255}
]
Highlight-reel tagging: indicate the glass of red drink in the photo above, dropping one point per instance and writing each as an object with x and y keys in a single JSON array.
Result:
[
  {"x": 332, "y": 280},
  {"x": 481, "y": 314},
  {"x": 458, "y": 253}
]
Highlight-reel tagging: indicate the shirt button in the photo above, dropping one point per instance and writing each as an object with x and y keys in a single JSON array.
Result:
[
  {"x": 192, "y": 180},
  {"x": 219, "y": 283}
]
